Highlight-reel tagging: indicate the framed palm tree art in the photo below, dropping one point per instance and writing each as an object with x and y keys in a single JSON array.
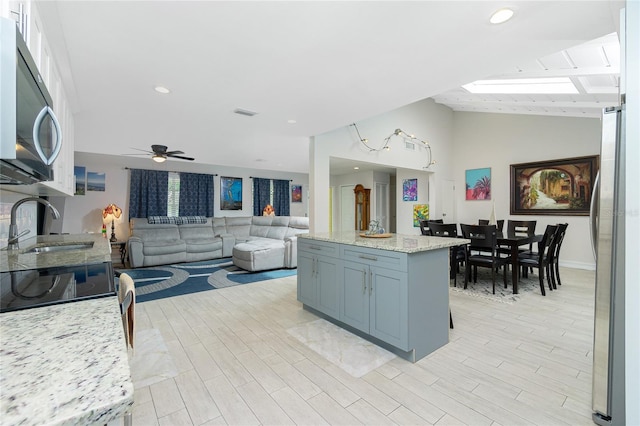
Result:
[{"x": 478, "y": 184}]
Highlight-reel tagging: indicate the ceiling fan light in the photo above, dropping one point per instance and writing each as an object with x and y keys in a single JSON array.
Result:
[{"x": 159, "y": 158}]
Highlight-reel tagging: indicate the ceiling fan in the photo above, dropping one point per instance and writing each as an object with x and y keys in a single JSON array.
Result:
[{"x": 160, "y": 154}]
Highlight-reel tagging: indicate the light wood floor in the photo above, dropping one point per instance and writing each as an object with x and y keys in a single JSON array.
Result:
[{"x": 506, "y": 364}]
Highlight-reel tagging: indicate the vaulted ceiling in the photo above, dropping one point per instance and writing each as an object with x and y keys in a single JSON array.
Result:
[{"x": 322, "y": 64}]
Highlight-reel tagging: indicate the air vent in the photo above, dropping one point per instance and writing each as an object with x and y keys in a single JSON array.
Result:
[
  {"x": 244, "y": 112},
  {"x": 409, "y": 145}
]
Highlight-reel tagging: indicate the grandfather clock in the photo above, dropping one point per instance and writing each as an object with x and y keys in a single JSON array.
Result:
[{"x": 362, "y": 207}]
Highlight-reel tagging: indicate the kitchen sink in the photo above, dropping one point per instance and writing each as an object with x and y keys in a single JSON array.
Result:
[{"x": 49, "y": 248}]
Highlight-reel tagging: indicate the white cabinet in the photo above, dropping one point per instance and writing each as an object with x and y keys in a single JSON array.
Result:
[
  {"x": 318, "y": 279},
  {"x": 25, "y": 13}
]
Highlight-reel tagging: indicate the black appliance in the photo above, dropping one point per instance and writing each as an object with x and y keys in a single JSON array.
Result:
[
  {"x": 30, "y": 135},
  {"x": 49, "y": 286}
]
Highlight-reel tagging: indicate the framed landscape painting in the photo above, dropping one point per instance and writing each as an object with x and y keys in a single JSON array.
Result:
[
  {"x": 478, "y": 184},
  {"x": 230, "y": 193},
  {"x": 556, "y": 187}
]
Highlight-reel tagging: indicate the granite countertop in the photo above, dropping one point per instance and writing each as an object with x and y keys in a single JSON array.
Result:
[
  {"x": 64, "y": 364},
  {"x": 396, "y": 242},
  {"x": 20, "y": 259}
]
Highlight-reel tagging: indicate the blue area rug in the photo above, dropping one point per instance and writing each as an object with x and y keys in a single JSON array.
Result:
[{"x": 182, "y": 278}]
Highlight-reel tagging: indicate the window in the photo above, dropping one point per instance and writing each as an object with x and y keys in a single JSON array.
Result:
[{"x": 173, "y": 199}]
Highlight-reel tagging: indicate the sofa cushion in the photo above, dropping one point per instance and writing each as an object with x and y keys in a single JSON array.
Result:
[
  {"x": 157, "y": 248},
  {"x": 200, "y": 245},
  {"x": 238, "y": 226},
  {"x": 259, "y": 254},
  {"x": 195, "y": 231}
]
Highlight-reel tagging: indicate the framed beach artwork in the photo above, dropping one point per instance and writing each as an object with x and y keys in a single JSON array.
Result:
[
  {"x": 555, "y": 187},
  {"x": 420, "y": 212},
  {"x": 410, "y": 190},
  {"x": 96, "y": 181},
  {"x": 296, "y": 193},
  {"x": 478, "y": 184},
  {"x": 230, "y": 193}
]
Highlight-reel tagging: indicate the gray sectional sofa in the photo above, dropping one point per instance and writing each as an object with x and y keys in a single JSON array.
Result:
[{"x": 255, "y": 243}]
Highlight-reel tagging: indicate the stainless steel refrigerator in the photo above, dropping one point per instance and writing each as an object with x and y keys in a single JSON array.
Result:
[{"x": 608, "y": 235}]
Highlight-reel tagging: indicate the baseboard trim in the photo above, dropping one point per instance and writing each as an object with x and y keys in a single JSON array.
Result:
[{"x": 578, "y": 265}]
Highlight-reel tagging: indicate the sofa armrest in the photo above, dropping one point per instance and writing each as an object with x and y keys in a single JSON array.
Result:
[
  {"x": 136, "y": 256},
  {"x": 228, "y": 241},
  {"x": 291, "y": 252}
]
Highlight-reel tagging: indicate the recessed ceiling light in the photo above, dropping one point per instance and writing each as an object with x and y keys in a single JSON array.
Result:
[
  {"x": 291, "y": 121},
  {"x": 162, "y": 89},
  {"x": 356, "y": 168},
  {"x": 560, "y": 85},
  {"x": 501, "y": 15}
]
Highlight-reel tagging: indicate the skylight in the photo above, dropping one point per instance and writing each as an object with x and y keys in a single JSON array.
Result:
[{"x": 558, "y": 85}]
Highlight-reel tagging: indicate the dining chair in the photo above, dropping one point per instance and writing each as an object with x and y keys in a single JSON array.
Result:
[
  {"x": 527, "y": 227},
  {"x": 499, "y": 223},
  {"x": 482, "y": 252},
  {"x": 555, "y": 255},
  {"x": 457, "y": 254},
  {"x": 541, "y": 259},
  {"x": 424, "y": 225}
]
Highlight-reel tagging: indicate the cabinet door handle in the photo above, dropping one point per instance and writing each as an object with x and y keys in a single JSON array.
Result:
[
  {"x": 370, "y": 282},
  {"x": 362, "y": 256},
  {"x": 364, "y": 282},
  {"x": 315, "y": 248}
]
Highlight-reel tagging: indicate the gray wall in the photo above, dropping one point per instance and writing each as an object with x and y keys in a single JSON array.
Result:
[
  {"x": 82, "y": 213},
  {"x": 498, "y": 140}
]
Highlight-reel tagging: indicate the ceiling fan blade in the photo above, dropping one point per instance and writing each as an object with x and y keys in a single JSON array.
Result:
[
  {"x": 181, "y": 157},
  {"x": 174, "y": 152},
  {"x": 143, "y": 150}
]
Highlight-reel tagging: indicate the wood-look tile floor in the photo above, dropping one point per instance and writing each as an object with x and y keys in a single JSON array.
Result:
[{"x": 506, "y": 364}]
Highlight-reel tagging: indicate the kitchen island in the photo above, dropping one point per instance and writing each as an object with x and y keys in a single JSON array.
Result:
[
  {"x": 65, "y": 363},
  {"x": 392, "y": 291}
]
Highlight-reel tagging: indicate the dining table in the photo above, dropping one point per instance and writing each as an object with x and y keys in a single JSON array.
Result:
[{"x": 514, "y": 240}]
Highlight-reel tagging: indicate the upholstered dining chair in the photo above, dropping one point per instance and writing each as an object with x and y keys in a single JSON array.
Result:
[
  {"x": 457, "y": 254},
  {"x": 482, "y": 252},
  {"x": 541, "y": 259}
]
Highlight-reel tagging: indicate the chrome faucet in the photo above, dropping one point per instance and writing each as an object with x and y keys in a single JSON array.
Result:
[{"x": 12, "y": 244}]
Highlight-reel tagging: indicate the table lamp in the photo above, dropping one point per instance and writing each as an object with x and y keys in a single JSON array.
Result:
[{"x": 112, "y": 212}]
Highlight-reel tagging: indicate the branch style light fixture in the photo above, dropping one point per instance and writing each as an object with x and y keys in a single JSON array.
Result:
[
  {"x": 112, "y": 212},
  {"x": 405, "y": 136}
]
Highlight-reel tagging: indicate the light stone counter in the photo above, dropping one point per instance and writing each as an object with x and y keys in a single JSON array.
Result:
[
  {"x": 20, "y": 259},
  {"x": 64, "y": 364},
  {"x": 396, "y": 242}
]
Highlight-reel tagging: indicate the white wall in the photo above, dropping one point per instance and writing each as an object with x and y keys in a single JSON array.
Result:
[
  {"x": 498, "y": 140},
  {"x": 425, "y": 119},
  {"x": 82, "y": 213}
]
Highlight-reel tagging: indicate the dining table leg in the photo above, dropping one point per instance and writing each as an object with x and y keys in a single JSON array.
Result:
[{"x": 514, "y": 267}]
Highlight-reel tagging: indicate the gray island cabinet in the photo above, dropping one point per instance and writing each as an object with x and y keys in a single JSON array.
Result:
[{"x": 393, "y": 291}]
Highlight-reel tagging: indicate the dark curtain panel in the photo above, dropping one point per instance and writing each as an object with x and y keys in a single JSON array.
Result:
[
  {"x": 196, "y": 194},
  {"x": 261, "y": 195},
  {"x": 148, "y": 194},
  {"x": 281, "y": 195}
]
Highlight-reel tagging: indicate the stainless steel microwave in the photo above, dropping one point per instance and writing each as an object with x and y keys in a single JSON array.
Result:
[{"x": 30, "y": 135}]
